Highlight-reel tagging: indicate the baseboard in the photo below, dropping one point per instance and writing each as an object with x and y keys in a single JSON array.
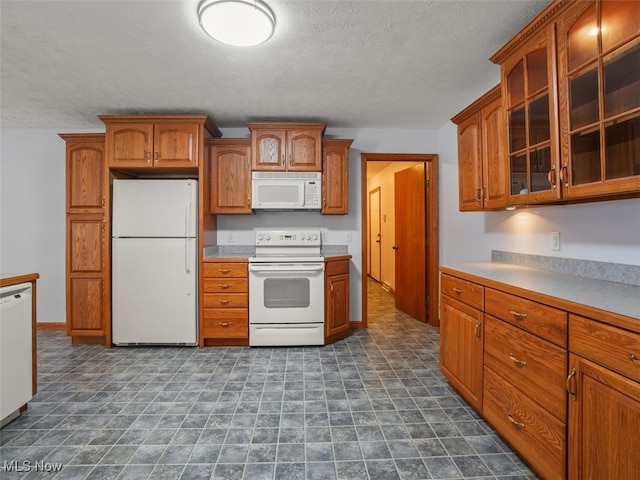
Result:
[{"x": 51, "y": 326}]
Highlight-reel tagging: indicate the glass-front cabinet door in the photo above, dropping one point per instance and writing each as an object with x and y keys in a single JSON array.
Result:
[
  {"x": 531, "y": 123},
  {"x": 599, "y": 88}
]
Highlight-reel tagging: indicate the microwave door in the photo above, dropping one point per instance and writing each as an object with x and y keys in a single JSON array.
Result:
[{"x": 278, "y": 194}]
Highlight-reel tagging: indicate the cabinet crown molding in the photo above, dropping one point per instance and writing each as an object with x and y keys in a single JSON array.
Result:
[
  {"x": 85, "y": 137},
  {"x": 479, "y": 104}
]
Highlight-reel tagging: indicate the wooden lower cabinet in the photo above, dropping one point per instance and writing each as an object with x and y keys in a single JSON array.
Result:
[
  {"x": 225, "y": 303},
  {"x": 532, "y": 431},
  {"x": 604, "y": 401},
  {"x": 461, "y": 348},
  {"x": 336, "y": 321},
  {"x": 561, "y": 389}
]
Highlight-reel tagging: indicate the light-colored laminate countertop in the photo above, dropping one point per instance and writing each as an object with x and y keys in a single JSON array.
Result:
[{"x": 615, "y": 303}]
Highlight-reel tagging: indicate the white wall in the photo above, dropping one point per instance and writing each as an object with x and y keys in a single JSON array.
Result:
[{"x": 32, "y": 226}]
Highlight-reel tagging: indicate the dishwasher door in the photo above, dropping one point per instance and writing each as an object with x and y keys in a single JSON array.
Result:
[{"x": 15, "y": 349}]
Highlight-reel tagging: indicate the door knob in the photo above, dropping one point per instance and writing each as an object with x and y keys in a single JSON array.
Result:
[{"x": 395, "y": 247}]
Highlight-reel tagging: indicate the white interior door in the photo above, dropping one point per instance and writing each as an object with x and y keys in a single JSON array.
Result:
[{"x": 374, "y": 234}]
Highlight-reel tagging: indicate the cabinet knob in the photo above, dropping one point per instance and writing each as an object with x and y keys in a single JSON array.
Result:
[
  {"x": 518, "y": 315},
  {"x": 459, "y": 291},
  {"x": 225, "y": 324},
  {"x": 224, "y": 285},
  {"x": 632, "y": 357},
  {"x": 224, "y": 270},
  {"x": 225, "y": 302}
]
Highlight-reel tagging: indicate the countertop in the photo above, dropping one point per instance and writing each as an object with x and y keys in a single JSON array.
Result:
[
  {"x": 12, "y": 278},
  {"x": 601, "y": 295},
  {"x": 218, "y": 252}
]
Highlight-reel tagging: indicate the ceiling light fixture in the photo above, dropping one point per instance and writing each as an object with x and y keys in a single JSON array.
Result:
[{"x": 242, "y": 23}]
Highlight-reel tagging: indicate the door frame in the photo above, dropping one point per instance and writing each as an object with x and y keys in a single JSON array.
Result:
[
  {"x": 432, "y": 229},
  {"x": 369, "y": 269}
]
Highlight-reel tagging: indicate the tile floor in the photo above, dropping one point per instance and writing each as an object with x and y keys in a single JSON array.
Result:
[{"x": 373, "y": 406}]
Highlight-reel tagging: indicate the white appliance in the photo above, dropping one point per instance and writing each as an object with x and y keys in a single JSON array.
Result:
[
  {"x": 154, "y": 262},
  {"x": 16, "y": 350},
  {"x": 286, "y": 289},
  {"x": 286, "y": 190}
]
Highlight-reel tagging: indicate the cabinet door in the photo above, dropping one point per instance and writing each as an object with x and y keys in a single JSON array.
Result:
[
  {"x": 530, "y": 103},
  {"x": 494, "y": 160},
  {"x": 337, "y": 315},
  {"x": 599, "y": 84},
  {"x": 85, "y": 177},
  {"x": 304, "y": 150},
  {"x": 175, "y": 145},
  {"x": 129, "y": 145},
  {"x": 230, "y": 179},
  {"x": 604, "y": 422},
  {"x": 85, "y": 275},
  {"x": 461, "y": 349},
  {"x": 469, "y": 165},
  {"x": 268, "y": 150},
  {"x": 335, "y": 177}
]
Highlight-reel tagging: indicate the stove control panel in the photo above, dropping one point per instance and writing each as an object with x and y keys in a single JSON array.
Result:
[{"x": 283, "y": 238}]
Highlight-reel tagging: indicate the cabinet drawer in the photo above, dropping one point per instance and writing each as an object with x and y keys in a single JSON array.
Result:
[
  {"x": 609, "y": 346},
  {"x": 468, "y": 292},
  {"x": 536, "y": 367},
  {"x": 336, "y": 268},
  {"x": 546, "y": 322},
  {"x": 226, "y": 323},
  {"x": 215, "y": 269},
  {"x": 226, "y": 285},
  {"x": 538, "y": 436},
  {"x": 226, "y": 300}
]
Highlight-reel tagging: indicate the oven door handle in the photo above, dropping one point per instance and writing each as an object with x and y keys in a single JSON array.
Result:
[{"x": 286, "y": 268}]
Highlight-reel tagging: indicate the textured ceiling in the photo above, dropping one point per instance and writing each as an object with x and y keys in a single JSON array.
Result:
[{"x": 350, "y": 63}]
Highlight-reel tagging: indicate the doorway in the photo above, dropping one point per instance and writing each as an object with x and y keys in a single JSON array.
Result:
[
  {"x": 374, "y": 235},
  {"x": 425, "y": 199}
]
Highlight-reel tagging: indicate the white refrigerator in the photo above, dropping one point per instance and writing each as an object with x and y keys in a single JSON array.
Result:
[{"x": 154, "y": 262}]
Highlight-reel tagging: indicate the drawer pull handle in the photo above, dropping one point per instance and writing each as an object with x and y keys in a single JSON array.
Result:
[
  {"x": 632, "y": 357},
  {"x": 520, "y": 363},
  {"x": 225, "y": 324},
  {"x": 224, "y": 285},
  {"x": 569, "y": 384},
  {"x": 518, "y": 315},
  {"x": 225, "y": 270},
  {"x": 478, "y": 325},
  {"x": 225, "y": 302},
  {"x": 515, "y": 423},
  {"x": 459, "y": 291}
]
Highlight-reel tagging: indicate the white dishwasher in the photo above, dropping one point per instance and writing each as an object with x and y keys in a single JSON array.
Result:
[{"x": 15, "y": 350}]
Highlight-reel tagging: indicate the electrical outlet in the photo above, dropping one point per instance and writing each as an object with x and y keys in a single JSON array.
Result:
[
  {"x": 555, "y": 240},
  {"x": 324, "y": 237},
  {"x": 230, "y": 237},
  {"x": 348, "y": 237}
]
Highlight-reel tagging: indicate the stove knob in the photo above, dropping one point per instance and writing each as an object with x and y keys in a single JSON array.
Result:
[
  {"x": 268, "y": 237},
  {"x": 260, "y": 237},
  {"x": 315, "y": 236},
  {"x": 303, "y": 237}
]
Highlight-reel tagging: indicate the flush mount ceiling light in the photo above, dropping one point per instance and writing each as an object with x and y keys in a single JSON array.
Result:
[{"x": 241, "y": 23}]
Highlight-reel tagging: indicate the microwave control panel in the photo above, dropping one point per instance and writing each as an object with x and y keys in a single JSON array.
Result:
[{"x": 312, "y": 194}]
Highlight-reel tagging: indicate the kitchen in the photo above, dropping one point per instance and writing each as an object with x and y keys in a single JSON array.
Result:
[{"x": 601, "y": 231}]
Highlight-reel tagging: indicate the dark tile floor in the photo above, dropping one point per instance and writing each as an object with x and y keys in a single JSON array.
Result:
[{"x": 373, "y": 406}]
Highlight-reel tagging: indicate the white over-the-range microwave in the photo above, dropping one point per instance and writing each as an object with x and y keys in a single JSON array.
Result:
[{"x": 286, "y": 190}]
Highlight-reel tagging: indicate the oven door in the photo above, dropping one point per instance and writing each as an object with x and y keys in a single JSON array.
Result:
[{"x": 286, "y": 293}]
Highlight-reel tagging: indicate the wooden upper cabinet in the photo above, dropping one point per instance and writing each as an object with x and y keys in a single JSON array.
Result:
[
  {"x": 599, "y": 85},
  {"x": 85, "y": 165},
  {"x": 530, "y": 102},
  {"x": 286, "y": 146},
  {"x": 335, "y": 176},
  {"x": 230, "y": 176},
  {"x": 481, "y": 158},
  {"x": 134, "y": 142}
]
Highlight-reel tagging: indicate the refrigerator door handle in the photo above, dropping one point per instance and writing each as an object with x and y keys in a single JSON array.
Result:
[
  {"x": 187, "y": 216},
  {"x": 187, "y": 267}
]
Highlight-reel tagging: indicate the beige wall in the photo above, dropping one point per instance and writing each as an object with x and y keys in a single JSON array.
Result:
[{"x": 385, "y": 180}]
